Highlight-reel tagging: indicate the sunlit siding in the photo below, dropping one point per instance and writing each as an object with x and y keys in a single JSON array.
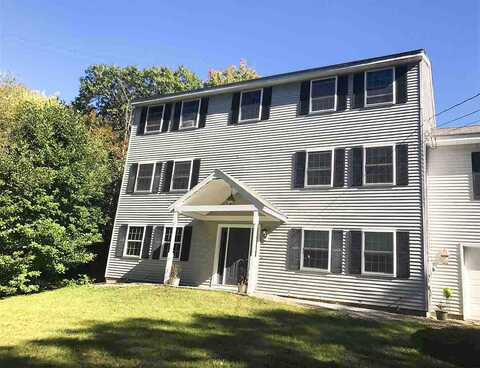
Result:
[{"x": 260, "y": 155}]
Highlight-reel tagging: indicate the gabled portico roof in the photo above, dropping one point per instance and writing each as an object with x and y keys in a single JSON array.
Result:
[{"x": 207, "y": 201}]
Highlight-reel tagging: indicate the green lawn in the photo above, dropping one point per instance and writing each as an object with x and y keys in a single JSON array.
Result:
[{"x": 155, "y": 326}]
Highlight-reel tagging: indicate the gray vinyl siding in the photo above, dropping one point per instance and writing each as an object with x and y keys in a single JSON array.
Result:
[
  {"x": 260, "y": 155},
  {"x": 454, "y": 218}
]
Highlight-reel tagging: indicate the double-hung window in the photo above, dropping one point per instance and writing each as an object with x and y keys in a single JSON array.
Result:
[
  {"x": 476, "y": 174},
  {"x": 189, "y": 114},
  {"x": 379, "y": 252},
  {"x": 323, "y": 95},
  {"x": 144, "y": 178},
  {"x": 319, "y": 168},
  {"x": 167, "y": 238},
  {"x": 379, "y": 87},
  {"x": 379, "y": 164},
  {"x": 316, "y": 246},
  {"x": 134, "y": 241},
  {"x": 182, "y": 172},
  {"x": 154, "y": 119},
  {"x": 250, "y": 105}
]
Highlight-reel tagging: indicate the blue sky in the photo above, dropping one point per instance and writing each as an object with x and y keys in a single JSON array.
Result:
[{"x": 48, "y": 44}]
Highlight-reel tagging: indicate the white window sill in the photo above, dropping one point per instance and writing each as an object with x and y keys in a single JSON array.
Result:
[
  {"x": 130, "y": 256},
  {"x": 249, "y": 121},
  {"x": 316, "y": 270},
  {"x": 322, "y": 112},
  {"x": 378, "y": 275}
]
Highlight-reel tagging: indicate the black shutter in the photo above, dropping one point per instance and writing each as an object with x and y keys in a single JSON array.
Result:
[
  {"x": 357, "y": 166},
  {"x": 358, "y": 90},
  {"x": 233, "y": 118},
  {"x": 337, "y": 247},
  {"x": 187, "y": 239},
  {"x": 402, "y": 164},
  {"x": 167, "y": 114},
  {"x": 132, "y": 176},
  {"x": 339, "y": 168},
  {"x": 121, "y": 236},
  {"x": 203, "y": 112},
  {"x": 355, "y": 252},
  {"x": 294, "y": 248},
  {"x": 157, "y": 242},
  {"x": 304, "y": 98},
  {"x": 342, "y": 92},
  {"x": 167, "y": 177},
  {"x": 299, "y": 161},
  {"x": 195, "y": 172},
  {"x": 176, "y": 116},
  {"x": 143, "y": 119},
  {"x": 266, "y": 103},
  {"x": 403, "y": 254},
  {"x": 476, "y": 174},
  {"x": 401, "y": 83},
  {"x": 147, "y": 241},
  {"x": 156, "y": 177}
]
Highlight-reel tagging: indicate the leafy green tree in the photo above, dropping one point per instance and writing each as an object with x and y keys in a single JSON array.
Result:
[
  {"x": 231, "y": 74},
  {"x": 53, "y": 175}
]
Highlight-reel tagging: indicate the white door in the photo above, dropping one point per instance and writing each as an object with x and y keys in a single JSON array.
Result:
[{"x": 472, "y": 283}]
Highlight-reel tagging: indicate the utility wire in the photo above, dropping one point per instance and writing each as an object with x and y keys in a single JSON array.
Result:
[{"x": 458, "y": 118}]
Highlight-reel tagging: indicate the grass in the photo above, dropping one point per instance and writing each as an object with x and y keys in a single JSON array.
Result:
[{"x": 154, "y": 326}]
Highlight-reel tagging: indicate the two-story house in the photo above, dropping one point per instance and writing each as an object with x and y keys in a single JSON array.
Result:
[{"x": 309, "y": 184}]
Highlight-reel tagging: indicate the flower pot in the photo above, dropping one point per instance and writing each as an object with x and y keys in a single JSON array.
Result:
[
  {"x": 442, "y": 315},
  {"x": 174, "y": 281},
  {"x": 242, "y": 288}
]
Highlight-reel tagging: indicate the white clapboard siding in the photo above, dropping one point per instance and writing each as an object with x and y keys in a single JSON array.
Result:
[
  {"x": 260, "y": 155},
  {"x": 454, "y": 218}
]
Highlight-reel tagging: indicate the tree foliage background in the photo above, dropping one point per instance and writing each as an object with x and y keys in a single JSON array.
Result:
[{"x": 61, "y": 166}]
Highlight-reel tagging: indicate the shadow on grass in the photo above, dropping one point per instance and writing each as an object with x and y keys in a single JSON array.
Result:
[{"x": 273, "y": 338}]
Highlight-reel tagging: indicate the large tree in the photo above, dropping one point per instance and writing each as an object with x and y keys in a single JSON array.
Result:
[{"x": 231, "y": 74}]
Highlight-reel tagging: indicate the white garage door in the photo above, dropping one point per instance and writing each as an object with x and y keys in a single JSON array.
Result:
[{"x": 472, "y": 282}]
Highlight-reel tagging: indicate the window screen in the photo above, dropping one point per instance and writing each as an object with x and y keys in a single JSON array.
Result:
[
  {"x": 181, "y": 175},
  {"x": 379, "y": 165},
  {"x": 250, "y": 105},
  {"x": 144, "y": 177},
  {"x": 189, "y": 114},
  {"x": 134, "y": 241},
  {"x": 177, "y": 243},
  {"x": 154, "y": 118},
  {"x": 319, "y": 168},
  {"x": 315, "y": 249},
  {"x": 379, "y": 87},
  {"x": 378, "y": 252},
  {"x": 323, "y": 94}
]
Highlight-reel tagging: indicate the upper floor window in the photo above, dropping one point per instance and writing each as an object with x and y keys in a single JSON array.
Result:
[
  {"x": 154, "y": 118},
  {"x": 323, "y": 96},
  {"x": 250, "y": 105},
  {"x": 379, "y": 87},
  {"x": 379, "y": 252},
  {"x": 144, "y": 177},
  {"x": 476, "y": 174},
  {"x": 379, "y": 165},
  {"x": 319, "y": 168},
  {"x": 316, "y": 249},
  {"x": 182, "y": 171},
  {"x": 134, "y": 241},
  {"x": 167, "y": 238},
  {"x": 189, "y": 114}
]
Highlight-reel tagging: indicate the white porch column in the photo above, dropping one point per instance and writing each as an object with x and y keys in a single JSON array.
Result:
[
  {"x": 252, "y": 261},
  {"x": 169, "y": 263}
]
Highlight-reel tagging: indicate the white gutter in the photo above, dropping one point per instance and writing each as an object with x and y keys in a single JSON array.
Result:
[{"x": 454, "y": 141}]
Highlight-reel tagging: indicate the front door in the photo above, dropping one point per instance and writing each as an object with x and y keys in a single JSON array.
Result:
[
  {"x": 233, "y": 254},
  {"x": 472, "y": 283}
]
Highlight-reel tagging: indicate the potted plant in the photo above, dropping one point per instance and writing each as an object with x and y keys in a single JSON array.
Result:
[
  {"x": 174, "y": 279},
  {"x": 242, "y": 284},
  {"x": 442, "y": 312}
]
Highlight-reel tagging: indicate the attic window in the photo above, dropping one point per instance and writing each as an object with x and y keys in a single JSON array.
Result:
[
  {"x": 379, "y": 88},
  {"x": 250, "y": 105},
  {"x": 189, "y": 114}
]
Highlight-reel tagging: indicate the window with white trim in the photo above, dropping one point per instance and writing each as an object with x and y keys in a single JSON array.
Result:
[
  {"x": 190, "y": 113},
  {"x": 167, "y": 237},
  {"x": 250, "y": 105},
  {"x": 134, "y": 241},
  {"x": 144, "y": 177},
  {"x": 319, "y": 168},
  {"x": 154, "y": 118},
  {"x": 316, "y": 249},
  {"x": 182, "y": 171},
  {"x": 379, "y": 165},
  {"x": 379, "y": 87},
  {"x": 323, "y": 94},
  {"x": 379, "y": 252}
]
